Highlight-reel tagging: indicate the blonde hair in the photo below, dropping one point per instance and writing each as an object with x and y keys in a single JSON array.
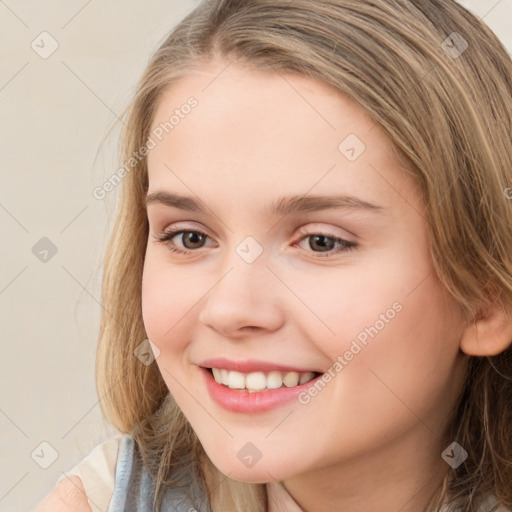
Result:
[{"x": 449, "y": 116}]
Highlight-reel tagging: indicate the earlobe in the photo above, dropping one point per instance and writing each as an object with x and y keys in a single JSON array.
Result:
[{"x": 489, "y": 334}]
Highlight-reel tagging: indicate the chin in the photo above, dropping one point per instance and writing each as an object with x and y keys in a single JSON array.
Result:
[
  {"x": 251, "y": 476},
  {"x": 259, "y": 473}
]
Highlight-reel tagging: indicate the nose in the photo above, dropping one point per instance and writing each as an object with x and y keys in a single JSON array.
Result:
[{"x": 245, "y": 299}]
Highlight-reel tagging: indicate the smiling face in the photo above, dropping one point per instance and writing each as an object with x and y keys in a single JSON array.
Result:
[{"x": 298, "y": 289}]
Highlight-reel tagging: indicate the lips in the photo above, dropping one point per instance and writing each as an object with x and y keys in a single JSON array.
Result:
[
  {"x": 241, "y": 401},
  {"x": 255, "y": 400},
  {"x": 253, "y": 366}
]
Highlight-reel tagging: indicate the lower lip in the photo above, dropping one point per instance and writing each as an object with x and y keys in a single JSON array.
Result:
[{"x": 259, "y": 401}]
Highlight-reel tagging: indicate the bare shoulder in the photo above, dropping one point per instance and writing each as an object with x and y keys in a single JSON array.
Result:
[{"x": 67, "y": 496}]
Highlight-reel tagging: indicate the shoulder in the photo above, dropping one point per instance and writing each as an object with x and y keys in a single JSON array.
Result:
[
  {"x": 91, "y": 480},
  {"x": 67, "y": 496}
]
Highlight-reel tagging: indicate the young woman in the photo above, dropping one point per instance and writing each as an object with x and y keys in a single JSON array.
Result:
[{"x": 315, "y": 234}]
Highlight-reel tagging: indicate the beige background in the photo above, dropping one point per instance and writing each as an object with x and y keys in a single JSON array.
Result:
[{"x": 54, "y": 114}]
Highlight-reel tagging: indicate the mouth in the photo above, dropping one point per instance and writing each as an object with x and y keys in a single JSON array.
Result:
[
  {"x": 260, "y": 381},
  {"x": 258, "y": 391}
]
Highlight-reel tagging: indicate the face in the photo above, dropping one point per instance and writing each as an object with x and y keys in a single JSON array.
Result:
[{"x": 301, "y": 249}]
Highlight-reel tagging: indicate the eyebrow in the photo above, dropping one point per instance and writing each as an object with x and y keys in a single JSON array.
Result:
[{"x": 282, "y": 206}]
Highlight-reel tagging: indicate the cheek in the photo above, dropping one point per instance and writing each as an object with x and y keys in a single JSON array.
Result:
[
  {"x": 167, "y": 311},
  {"x": 394, "y": 327},
  {"x": 405, "y": 368},
  {"x": 345, "y": 302},
  {"x": 167, "y": 300},
  {"x": 423, "y": 341}
]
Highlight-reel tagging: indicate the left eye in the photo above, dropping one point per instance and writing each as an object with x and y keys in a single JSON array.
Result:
[
  {"x": 326, "y": 243},
  {"x": 193, "y": 239}
]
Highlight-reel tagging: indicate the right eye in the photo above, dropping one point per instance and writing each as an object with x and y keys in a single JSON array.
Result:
[{"x": 189, "y": 236}]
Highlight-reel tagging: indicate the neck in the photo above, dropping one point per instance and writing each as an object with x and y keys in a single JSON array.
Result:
[{"x": 399, "y": 476}]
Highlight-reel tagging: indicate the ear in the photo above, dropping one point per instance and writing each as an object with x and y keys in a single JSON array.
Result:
[{"x": 489, "y": 334}]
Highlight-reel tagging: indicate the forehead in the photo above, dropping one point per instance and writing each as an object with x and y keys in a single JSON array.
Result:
[
  {"x": 257, "y": 98},
  {"x": 251, "y": 128}
]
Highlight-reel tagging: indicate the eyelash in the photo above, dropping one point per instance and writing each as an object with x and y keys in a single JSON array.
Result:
[{"x": 166, "y": 237}]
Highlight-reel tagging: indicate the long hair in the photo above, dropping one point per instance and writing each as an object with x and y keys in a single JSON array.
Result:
[{"x": 439, "y": 83}]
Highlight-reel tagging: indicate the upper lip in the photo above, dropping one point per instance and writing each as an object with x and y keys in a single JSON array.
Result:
[{"x": 251, "y": 365}]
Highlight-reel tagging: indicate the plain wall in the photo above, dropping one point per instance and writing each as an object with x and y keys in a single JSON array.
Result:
[{"x": 54, "y": 113}]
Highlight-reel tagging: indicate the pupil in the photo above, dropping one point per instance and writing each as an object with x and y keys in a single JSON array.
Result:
[
  {"x": 192, "y": 237},
  {"x": 323, "y": 246}
]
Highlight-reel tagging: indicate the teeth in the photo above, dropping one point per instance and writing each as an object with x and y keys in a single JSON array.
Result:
[
  {"x": 274, "y": 380},
  {"x": 305, "y": 377},
  {"x": 257, "y": 381},
  {"x": 236, "y": 380},
  {"x": 291, "y": 379}
]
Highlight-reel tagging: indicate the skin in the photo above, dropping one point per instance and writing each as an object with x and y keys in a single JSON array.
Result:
[
  {"x": 67, "y": 496},
  {"x": 372, "y": 438}
]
